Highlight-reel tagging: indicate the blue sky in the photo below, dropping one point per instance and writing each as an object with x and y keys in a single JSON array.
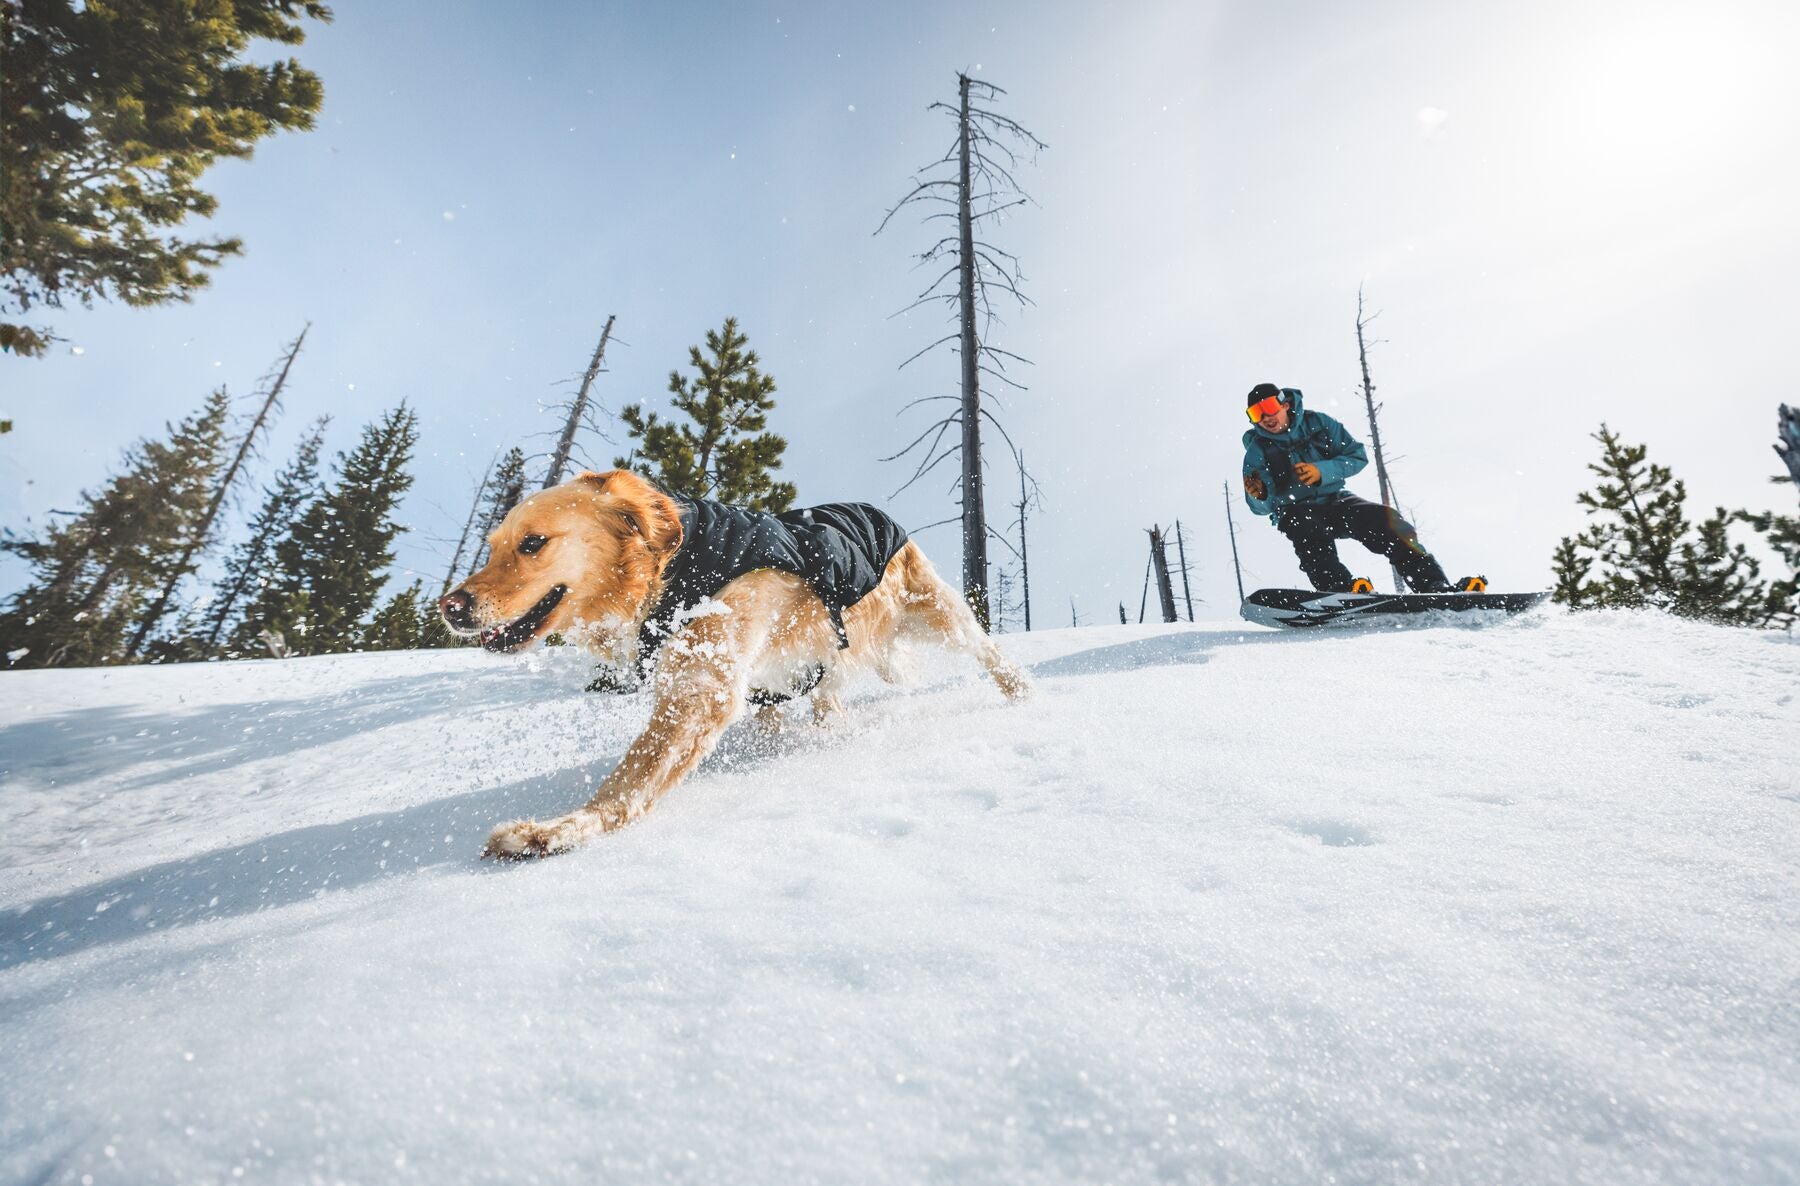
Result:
[{"x": 1565, "y": 213}]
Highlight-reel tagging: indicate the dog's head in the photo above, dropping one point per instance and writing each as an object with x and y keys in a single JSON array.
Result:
[{"x": 568, "y": 559}]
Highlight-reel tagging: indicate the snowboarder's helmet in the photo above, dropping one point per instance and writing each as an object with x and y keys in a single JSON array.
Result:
[{"x": 1264, "y": 391}]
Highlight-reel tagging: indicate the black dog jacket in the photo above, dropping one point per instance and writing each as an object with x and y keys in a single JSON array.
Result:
[{"x": 840, "y": 550}]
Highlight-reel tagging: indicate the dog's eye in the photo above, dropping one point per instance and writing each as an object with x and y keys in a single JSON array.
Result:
[{"x": 532, "y": 543}]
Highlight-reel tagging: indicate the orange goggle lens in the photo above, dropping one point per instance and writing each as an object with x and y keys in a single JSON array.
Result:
[{"x": 1261, "y": 408}]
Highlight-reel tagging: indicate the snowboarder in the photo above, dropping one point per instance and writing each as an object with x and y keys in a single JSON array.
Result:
[{"x": 1295, "y": 464}]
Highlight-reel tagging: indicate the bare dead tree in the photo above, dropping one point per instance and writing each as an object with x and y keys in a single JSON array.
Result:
[
  {"x": 462, "y": 541},
  {"x": 1144, "y": 597},
  {"x": 270, "y": 404},
  {"x": 973, "y": 180},
  {"x": 1231, "y": 526},
  {"x": 1181, "y": 551},
  {"x": 1074, "y": 617},
  {"x": 559, "y": 460},
  {"x": 1003, "y": 600},
  {"x": 1159, "y": 560},
  {"x": 1029, "y": 495},
  {"x": 1388, "y": 498}
]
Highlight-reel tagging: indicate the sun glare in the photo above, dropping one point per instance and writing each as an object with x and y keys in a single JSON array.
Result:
[{"x": 1670, "y": 89}]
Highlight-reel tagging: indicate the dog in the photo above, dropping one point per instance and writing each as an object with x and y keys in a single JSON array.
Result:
[{"x": 598, "y": 561}]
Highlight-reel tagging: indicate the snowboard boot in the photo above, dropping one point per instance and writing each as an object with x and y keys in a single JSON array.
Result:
[
  {"x": 1362, "y": 585},
  {"x": 1471, "y": 585}
]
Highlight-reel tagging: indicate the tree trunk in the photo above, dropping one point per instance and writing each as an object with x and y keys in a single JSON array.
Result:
[
  {"x": 218, "y": 500},
  {"x": 1024, "y": 558},
  {"x": 1381, "y": 474},
  {"x": 1165, "y": 589},
  {"x": 1187, "y": 593},
  {"x": 974, "y": 518},
  {"x": 561, "y": 458},
  {"x": 1231, "y": 526}
]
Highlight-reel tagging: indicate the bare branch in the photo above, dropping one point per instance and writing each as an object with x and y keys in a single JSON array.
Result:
[
  {"x": 991, "y": 419},
  {"x": 932, "y": 287},
  {"x": 925, "y": 468},
  {"x": 1003, "y": 378},
  {"x": 992, "y": 209},
  {"x": 940, "y": 425},
  {"x": 925, "y": 399},
  {"x": 929, "y": 526},
  {"x": 986, "y": 349},
  {"x": 916, "y": 191},
  {"x": 939, "y": 342}
]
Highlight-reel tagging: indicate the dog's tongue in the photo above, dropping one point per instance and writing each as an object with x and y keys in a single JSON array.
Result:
[{"x": 491, "y": 633}]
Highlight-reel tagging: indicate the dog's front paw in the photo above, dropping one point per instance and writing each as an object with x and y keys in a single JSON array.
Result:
[{"x": 526, "y": 840}]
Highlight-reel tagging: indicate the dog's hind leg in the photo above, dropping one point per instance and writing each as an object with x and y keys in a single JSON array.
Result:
[{"x": 933, "y": 608}]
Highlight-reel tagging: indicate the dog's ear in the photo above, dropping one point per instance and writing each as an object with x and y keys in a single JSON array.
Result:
[
  {"x": 598, "y": 481},
  {"x": 655, "y": 519},
  {"x": 646, "y": 511}
]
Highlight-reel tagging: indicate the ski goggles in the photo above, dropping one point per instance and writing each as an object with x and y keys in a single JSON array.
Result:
[{"x": 1263, "y": 407}]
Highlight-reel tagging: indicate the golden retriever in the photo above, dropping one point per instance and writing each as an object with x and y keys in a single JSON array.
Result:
[{"x": 585, "y": 559}]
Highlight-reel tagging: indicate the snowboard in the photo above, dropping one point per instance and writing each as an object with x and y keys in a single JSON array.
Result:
[{"x": 1307, "y": 608}]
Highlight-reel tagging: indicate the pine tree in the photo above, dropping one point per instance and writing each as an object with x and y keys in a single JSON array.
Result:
[
  {"x": 249, "y": 568},
  {"x": 1638, "y": 551},
  {"x": 504, "y": 490},
  {"x": 112, "y": 112},
  {"x": 329, "y": 566},
  {"x": 1640, "y": 522},
  {"x": 726, "y": 454},
  {"x": 1781, "y": 600},
  {"x": 397, "y": 626},
  {"x": 93, "y": 576},
  {"x": 1716, "y": 579}
]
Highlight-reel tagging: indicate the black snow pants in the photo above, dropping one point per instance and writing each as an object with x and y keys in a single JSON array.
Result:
[{"x": 1315, "y": 527}]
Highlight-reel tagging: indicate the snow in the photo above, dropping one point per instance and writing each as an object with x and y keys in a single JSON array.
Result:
[{"x": 1217, "y": 904}]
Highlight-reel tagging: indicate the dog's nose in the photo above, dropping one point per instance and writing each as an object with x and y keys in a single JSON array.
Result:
[{"x": 457, "y": 609}]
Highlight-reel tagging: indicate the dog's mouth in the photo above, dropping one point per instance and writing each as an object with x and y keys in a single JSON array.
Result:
[{"x": 510, "y": 636}]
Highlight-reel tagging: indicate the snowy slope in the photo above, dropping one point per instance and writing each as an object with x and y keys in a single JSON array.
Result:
[{"x": 1512, "y": 905}]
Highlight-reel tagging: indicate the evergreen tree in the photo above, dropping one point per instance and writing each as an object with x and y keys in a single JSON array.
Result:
[
  {"x": 505, "y": 487},
  {"x": 329, "y": 566},
  {"x": 1716, "y": 579},
  {"x": 249, "y": 568},
  {"x": 398, "y": 625},
  {"x": 1638, "y": 550},
  {"x": 112, "y": 112},
  {"x": 93, "y": 575},
  {"x": 726, "y": 454},
  {"x": 1781, "y": 602}
]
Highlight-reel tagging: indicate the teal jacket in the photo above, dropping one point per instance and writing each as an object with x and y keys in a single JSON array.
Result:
[{"x": 1311, "y": 436}]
